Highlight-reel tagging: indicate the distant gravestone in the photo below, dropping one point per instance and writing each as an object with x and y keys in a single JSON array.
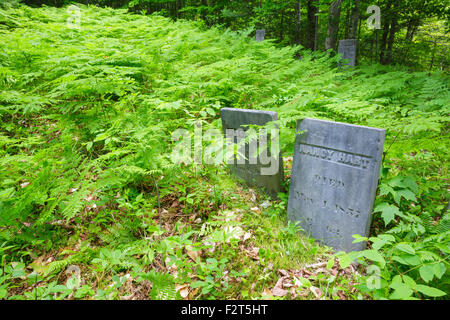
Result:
[
  {"x": 334, "y": 181},
  {"x": 260, "y": 35},
  {"x": 265, "y": 170},
  {"x": 348, "y": 50}
]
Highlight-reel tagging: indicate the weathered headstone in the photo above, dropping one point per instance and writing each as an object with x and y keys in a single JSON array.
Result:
[
  {"x": 260, "y": 35},
  {"x": 257, "y": 170},
  {"x": 334, "y": 180},
  {"x": 348, "y": 50}
]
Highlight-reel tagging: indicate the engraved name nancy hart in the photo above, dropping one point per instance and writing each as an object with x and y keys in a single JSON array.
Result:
[{"x": 336, "y": 156}]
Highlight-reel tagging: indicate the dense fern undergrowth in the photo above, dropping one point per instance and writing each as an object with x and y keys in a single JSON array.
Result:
[{"x": 91, "y": 205}]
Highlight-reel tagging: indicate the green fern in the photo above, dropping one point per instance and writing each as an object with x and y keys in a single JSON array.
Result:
[{"x": 163, "y": 285}]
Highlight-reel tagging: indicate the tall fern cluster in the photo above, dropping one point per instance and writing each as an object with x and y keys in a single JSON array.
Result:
[{"x": 101, "y": 101}]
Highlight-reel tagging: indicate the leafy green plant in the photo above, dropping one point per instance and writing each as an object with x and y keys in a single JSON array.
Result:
[
  {"x": 163, "y": 285},
  {"x": 409, "y": 260}
]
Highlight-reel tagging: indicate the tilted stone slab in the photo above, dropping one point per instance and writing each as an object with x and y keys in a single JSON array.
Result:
[
  {"x": 254, "y": 174},
  {"x": 334, "y": 180}
]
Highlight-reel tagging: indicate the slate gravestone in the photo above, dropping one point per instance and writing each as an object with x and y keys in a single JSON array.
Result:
[
  {"x": 256, "y": 170},
  {"x": 260, "y": 35},
  {"x": 348, "y": 50},
  {"x": 334, "y": 180}
]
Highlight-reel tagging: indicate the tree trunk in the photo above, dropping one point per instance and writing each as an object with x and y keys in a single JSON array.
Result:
[
  {"x": 311, "y": 25},
  {"x": 392, "y": 31},
  {"x": 333, "y": 24},
  {"x": 413, "y": 25},
  {"x": 298, "y": 21},
  {"x": 432, "y": 58},
  {"x": 384, "y": 38},
  {"x": 316, "y": 32},
  {"x": 354, "y": 19}
]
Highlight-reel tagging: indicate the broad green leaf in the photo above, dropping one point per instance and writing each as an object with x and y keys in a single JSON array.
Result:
[
  {"x": 427, "y": 272},
  {"x": 197, "y": 284},
  {"x": 330, "y": 264},
  {"x": 303, "y": 282},
  {"x": 395, "y": 280},
  {"x": 430, "y": 291},
  {"x": 359, "y": 238},
  {"x": 344, "y": 261},
  {"x": 377, "y": 244},
  {"x": 409, "y": 281},
  {"x": 374, "y": 256},
  {"x": 401, "y": 291},
  {"x": 17, "y": 270},
  {"x": 439, "y": 269},
  {"x": 397, "y": 182},
  {"x": 411, "y": 184},
  {"x": 386, "y": 189},
  {"x": 407, "y": 194},
  {"x": 101, "y": 136},
  {"x": 409, "y": 260},
  {"x": 405, "y": 248},
  {"x": 388, "y": 212},
  {"x": 386, "y": 237},
  {"x": 211, "y": 112},
  {"x": 3, "y": 293}
]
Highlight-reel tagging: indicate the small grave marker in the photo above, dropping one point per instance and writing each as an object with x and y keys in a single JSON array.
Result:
[
  {"x": 348, "y": 50},
  {"x": 260, "y": 35}
]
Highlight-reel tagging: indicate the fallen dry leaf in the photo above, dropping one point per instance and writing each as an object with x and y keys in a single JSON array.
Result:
[
  {"x": 184, "y": 293},
  {"x": 172, "y": 268},
  {"x": 267, "y": 294},
  {"x": 89, "y": 198},
  {"x": 194, "y": 292},
  {"x": 252, "y": 252},
  {"x": 278, "y": 290},
  {"x": 246, "y": 236},
  {"x": 293, "y": 292},
  {"x": 253, "y": 198},
  {"x": 316, "y": 291},
  {"x": 341, "y": 295},
  {"x": 265, "y": 204},
  {"x": 236, "y": 232},
  {"x": 183, "y": 289},
  {"x": 73, "y": 190},
  {"x": 25, "y": 184},
  {"x": 284, "y": 273},
  {"x": 193, "y": 254},
  {"x": 316, "y": 265}
]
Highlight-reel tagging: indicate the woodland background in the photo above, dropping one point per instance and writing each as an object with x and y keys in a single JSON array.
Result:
[{"x": 412, "y": 32}]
